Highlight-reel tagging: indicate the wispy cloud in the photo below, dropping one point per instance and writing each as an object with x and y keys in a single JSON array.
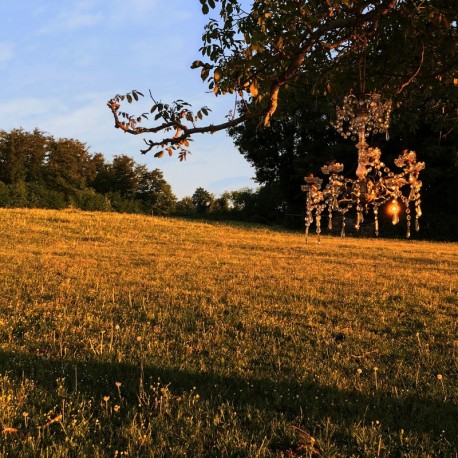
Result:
[
  {"x": 25, "y": 111},
  {"x": 133, "y": 11},
  {"x": 80, "y": 15},
  {"x": 6, "y": 52}
]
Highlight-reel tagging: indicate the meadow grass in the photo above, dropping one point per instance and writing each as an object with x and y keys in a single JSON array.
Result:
[{"x": 126, "y": 335}]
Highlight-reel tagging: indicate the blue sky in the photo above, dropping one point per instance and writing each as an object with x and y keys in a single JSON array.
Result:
[{"x": 60, "y": 61}]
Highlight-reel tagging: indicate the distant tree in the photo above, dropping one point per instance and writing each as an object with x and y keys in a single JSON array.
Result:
[
  {"x": 89, "y": 200},
  {"x": 125, "y": 178},
  {"x": 22, "y": 165},
  {"x": 271, "y": 203},
  {"x": 18, "y": 194},
  {"x": 12, "y": 157},
  {"x": 244, "y": 201},
  {"x": 93, "y": 166},
  {"x": 4, "y": 194},
  {"x": 37, "y": 170},
  {"x": 35, "y": 156},
  {"x": 67, "y": 165},
  {"x": 104, "y": 176},
  {"x": 185, "y": 206},
  {"x": 203, "y": 200},
  {"x": 223, "y": 204},
  {"x": 154, "y": 191}
]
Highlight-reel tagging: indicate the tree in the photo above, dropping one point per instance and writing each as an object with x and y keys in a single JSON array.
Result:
[
  {"x": 202, "y": 200},
  {"x": 185, "y": 206},
  {"x": 22, "y": 155},
  {"x": 124, "y": 176},
  {"x": 155, "y": 193},
  {"x": 301, "y": 140},
  {"x": 37, "y": 170},
  {"x": 244, "y": 202},
  {"x": 103, "y": 179},
  {"x": 223, "y": 204},
  {"x": 66, "y": 165},
  {"x": 402, "y": 48},
  {"x": 12, "y": 157}
]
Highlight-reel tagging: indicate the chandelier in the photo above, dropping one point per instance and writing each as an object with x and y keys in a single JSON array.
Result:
[{"x": 375, "y": 184}]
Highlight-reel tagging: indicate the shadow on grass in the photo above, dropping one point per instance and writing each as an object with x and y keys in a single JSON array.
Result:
[{"x": 313, "y": 402}]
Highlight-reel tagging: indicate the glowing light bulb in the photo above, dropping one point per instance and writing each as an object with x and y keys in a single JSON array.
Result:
[
  {"x": 394, "y": 207},
  {"x": 394, "y": 210}
]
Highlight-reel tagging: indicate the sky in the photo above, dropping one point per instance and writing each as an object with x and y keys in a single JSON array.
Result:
[{"x": 62, "y": 60}]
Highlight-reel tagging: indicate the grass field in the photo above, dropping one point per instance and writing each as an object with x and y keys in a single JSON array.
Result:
[{"x": 125, "y": 335}]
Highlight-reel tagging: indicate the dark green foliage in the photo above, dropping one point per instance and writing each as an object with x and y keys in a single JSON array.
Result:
[
  {"x": 202, "y": 201},
  {"x": 185, "y": 207},
  {"x": 124, "y": 178},
  {"x": 22, "y": 155},
  {"x": 300, "y": 140},
  {"x": 266, "y": 205},
  {"x": 403, "y": 49},
  {"x": 154, "y": 193},
  {"x": 39, "y": 171},
  {"x": 66, "y": 165}
]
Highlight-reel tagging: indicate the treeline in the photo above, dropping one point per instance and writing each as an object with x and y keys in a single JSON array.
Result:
[
  {"x": 39, "y": 171},
  {"x": 258, "y": 206}
]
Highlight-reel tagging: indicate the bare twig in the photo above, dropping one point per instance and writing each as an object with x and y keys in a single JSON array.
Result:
[{"x": 404, "y": 85}]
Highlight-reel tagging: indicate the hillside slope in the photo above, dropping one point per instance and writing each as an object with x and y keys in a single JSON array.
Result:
[{"x": 162, "y": 337}]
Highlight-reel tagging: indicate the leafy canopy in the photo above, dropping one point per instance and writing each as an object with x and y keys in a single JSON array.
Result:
[{"x": 406, "y": 49}]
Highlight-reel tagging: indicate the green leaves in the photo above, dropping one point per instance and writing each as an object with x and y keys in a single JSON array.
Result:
[
  {"x": 197, "y": 64},
  {"x": 269, "y": 45},
  {"x": 206, "y": 5}
]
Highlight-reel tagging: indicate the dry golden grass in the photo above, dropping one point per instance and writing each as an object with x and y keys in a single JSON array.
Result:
[{"x": 261, "y": 342}]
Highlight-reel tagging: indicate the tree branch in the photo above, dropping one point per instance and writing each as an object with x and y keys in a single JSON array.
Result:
[
  {"x": 255, "y": 63},
  {"x": 180, "y": 139},
  {"x": 404, "y": 85}
]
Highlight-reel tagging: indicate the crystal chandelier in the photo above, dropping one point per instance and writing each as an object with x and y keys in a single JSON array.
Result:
[{"x": 375, "y": 184}]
